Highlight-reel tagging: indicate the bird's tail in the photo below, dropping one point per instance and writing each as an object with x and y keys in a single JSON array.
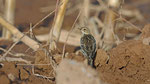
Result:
[{"x": 91, "y": 60}]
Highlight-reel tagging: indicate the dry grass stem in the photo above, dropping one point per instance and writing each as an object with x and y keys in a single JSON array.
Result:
[
  {"x": 1, "y": 7},
  {"x": 45, "y": 77},
  {"x": 64, "y": 47},
  {"x": 9, "y": 15},
  {"x": 110, "y": 19},
  {"x": 86, "y": 10},
  {"x": 118, "y": 15},
  {"x": 74, "y": 38},
  {"x": 108, "y": 29},
  {"x": 131, "y": 24},
  {"x": 10, "y": 59},
  {"x": 52, "y": 61},
  {"x": 51, "y": 42},
  {"x": 33, "y": 64},
  {"x": 132, "y": 13},
  {"x": 59, "y": 19},
  {"x": 28, "y": 41},
  {"x": 42, "y": 76},
  {"x": 85, "y": 14},
  {"x": 43, "y": 19},
  {"x": 10, "y": 49},
  {"x": 14, "y": 54}
]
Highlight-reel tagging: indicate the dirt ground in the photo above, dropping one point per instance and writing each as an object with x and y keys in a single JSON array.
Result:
[{"x": 127, "y": 63}]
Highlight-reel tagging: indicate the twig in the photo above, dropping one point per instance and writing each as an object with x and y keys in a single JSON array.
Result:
[
  {"x": 45, "y": 77},
  {"x": 118, "y": 14},
  {"x": 38, "y": 75},
  {"x": 16, "y": 54},
  {"x": 31, "y": 43},
  {"x": 73, "y": 40},
  {"x": 10, "y": 49},
  {"x": 33, "y": 64},
  {"x": 10, "y": 59},
  {"x": 42, "y": 76},
  {"x": 43, "y": 19},
  {"x": 131, "y": 24},
  {"x": 64, "y": 47},
  {"x": 108, "y": 28},
  {"x": 28, "y": 41},
  {"x": 52, "y": 61}
]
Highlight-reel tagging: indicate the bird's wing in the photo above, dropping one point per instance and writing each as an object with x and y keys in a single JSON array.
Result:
[{"x": 88, "y": 43}]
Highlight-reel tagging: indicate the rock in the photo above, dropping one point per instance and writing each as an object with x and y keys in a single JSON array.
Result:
[{"x": 73, "y": 72}]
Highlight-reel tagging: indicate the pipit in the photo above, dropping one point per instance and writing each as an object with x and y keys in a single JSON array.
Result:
[{"x": 88, "y": 45}]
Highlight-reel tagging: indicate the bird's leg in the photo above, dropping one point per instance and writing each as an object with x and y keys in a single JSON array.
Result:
[{"x": 91, "y": 62}]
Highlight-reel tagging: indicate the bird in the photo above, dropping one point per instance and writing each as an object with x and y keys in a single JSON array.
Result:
[{"x": 88, "y": 45}]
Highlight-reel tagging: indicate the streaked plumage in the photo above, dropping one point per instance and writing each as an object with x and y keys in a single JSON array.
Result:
[{"x": 88, "y": 45}]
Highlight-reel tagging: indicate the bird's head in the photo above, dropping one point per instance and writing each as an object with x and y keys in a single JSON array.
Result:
[{"x": 84, "y": 30}]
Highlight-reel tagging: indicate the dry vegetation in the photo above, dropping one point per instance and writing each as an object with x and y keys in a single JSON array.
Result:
[{"x": 39, "y": 41}]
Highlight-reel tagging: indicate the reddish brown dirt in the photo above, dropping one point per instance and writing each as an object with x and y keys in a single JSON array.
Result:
[
  {"x": 22, "y": 73},
  {"x": 128, "y": 64},
  {"x": 10, "y": 72},
  {"x": 19, "y": 74}
]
